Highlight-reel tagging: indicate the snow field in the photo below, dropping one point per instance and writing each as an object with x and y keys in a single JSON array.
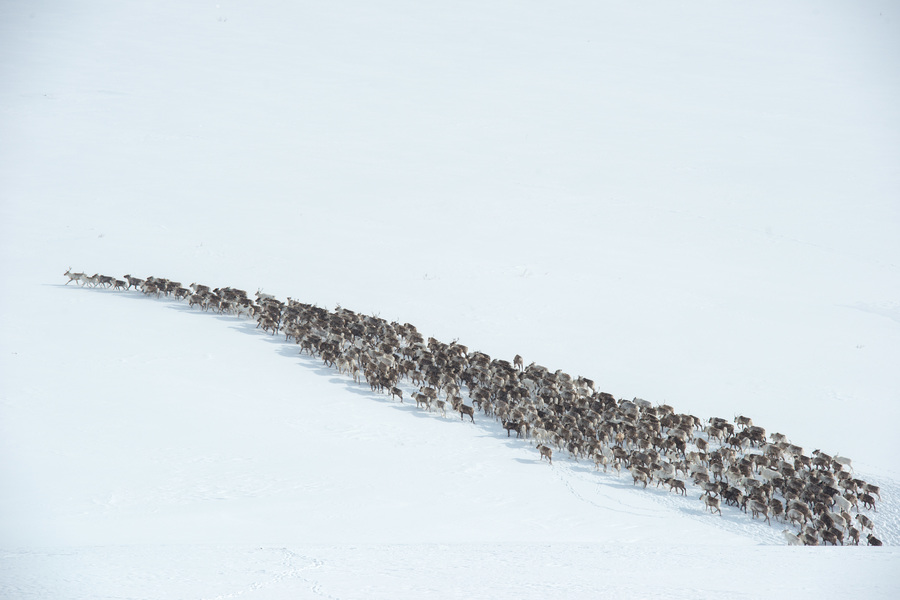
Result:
[
  {"x": 523, "y": 570},
  {"x": 693, "y": 205}
]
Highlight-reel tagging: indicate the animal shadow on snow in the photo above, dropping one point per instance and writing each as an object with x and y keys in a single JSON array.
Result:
[{"x": 291, "y": 350}]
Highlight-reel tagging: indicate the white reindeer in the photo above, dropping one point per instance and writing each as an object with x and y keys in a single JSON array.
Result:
[
  {"x": 76, "y": 277},
  {"x": 791, "y": 538},
  {"x": 843, "y": 461}
]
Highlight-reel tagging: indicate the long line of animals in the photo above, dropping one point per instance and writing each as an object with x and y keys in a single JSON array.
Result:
[{"x": 737, "y": 464}]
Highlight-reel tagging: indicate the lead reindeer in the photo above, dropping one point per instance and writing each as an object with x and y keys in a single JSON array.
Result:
[{"x": 76, "y": 277}]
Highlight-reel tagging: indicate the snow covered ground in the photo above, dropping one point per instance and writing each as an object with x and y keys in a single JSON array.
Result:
[{"x": 696, "y": 205}]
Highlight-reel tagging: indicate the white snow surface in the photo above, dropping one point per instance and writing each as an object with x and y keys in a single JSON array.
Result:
[{"x": 697, "y": 204}]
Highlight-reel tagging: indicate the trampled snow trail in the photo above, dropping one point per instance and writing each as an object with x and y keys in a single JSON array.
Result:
[{"x": 331, "y": 336}]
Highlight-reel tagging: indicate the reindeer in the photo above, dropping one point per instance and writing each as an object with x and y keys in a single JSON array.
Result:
[
  {"x": 354, "y": 372},
  {"x": 758, "y": 508},
  {"x": 422, "y": 399},
  {"x": 149, "y": 287},
  {"x": 639, "y": 473},
  {"x": 511, "y": 426},
  {"x": 865, "y": 522},
  {"x": 743, "y": 422},
  {"x": 796, "y": 517},
  {"x": 197, "y": 299},
  {"x": 810, "y": 536},
  {"x": 676, "y": 484},
  {"x": 830, "y": 535},
  {"x": 872, "y": 489},
  {"x": 76, "y": 277},
  {"x": 777, "y": 509},
  {"x": 546, "y": 451},
  {"x": 519, "y": 363},
  {"x": 769, "y": 474},
  {"x": 791, "y": 538},
  {"x": 778, "y": 438},
  {"x": 442, "y": 407},
  {"x": 841, "y": 502},
  {"x": 842, "y": 461},
  {"x": 733, "y": 496},
  {"x": 104, "y": 280},
  {"x": 801, "y": 508},
  {"x": 464, "y": 409},
  {"x": 268, "y": 324},
  {"x": 601, "y": 459},
  {"x": 712, "y": 503},
  {"x": 868, "y": 501},
  {"x": 342, "y": 364}
]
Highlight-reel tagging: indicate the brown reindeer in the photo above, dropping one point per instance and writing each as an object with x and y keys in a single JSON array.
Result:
[
  {"x": 422, "y": 399},
  {"x": 519, "y": 362},
  {"x": 873, "y": 489},
  {"x": 828, "y": 535},
  {"x": 758, "y": 508},
  {"x": 546, "y": 451},
  {"x": 677, "y": 484},
  {"x": 712, "y": 503},
  {"x": 511, "y": 426},
  {"x": 466, "y": 410},
  {"x": 868, "y": 501},
  {"x": 639, "y": 474}
]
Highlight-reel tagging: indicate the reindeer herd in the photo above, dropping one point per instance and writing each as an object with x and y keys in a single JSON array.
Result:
[{"x": 735, "y": 464}]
